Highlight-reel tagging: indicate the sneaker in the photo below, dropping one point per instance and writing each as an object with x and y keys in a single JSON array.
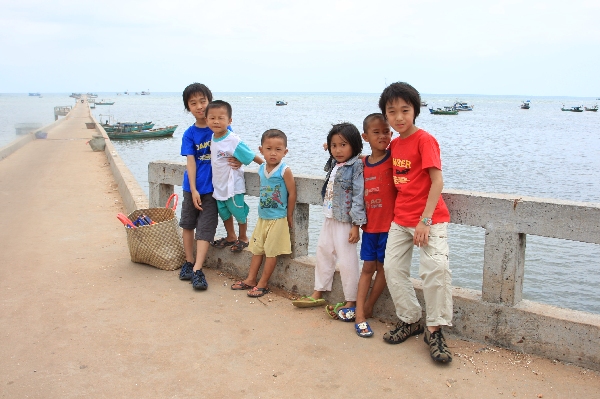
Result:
[
  {"x": 402, "y": 332},
  {"x": 187, "y": 271},
  {"x": 199, "y": 280},
  {"x": 437, "y": 346}
]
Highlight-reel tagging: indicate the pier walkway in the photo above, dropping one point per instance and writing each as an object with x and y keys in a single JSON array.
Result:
[{"x": 79, "y": 319}]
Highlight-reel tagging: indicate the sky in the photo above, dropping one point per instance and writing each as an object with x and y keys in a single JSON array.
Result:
[{"x": 502, "y": 47}]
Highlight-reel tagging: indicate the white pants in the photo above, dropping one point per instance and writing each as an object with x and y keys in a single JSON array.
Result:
[
  {"x": 334, "y": 247},
  {"x": 434, "y": 270}
]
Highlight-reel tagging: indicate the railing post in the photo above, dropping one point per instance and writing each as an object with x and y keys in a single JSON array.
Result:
[
  {"x": 159, "y": 194},
  {"x": 299, "y": 233},
  {"x": 503, "y": 266}
]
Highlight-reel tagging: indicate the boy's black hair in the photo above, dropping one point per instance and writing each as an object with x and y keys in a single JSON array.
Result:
[
  {"x": 370, "y": 118},
  {"x": 349, "y": 132},
  {"x": 195, "y": 88},
  {"x": 273, "y": 133},
  {"x": 404, "y": 91},
  {"x": 219, "y": 104}
]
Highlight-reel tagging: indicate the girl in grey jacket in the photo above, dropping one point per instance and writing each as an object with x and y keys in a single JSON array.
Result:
[{"x": 344, "y": 211}]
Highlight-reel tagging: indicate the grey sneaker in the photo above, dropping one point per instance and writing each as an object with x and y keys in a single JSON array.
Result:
[
  {"x": 437, "y": 346},
  {"x": 187, "y": 271},
  {"x": 199, "y": 280},
  {"x": 402, "y": 332}
]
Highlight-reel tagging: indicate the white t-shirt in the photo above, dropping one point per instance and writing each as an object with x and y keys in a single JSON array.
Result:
[
  {"x": 228, "y": 182},
  {"x": 327, "y": 200}
]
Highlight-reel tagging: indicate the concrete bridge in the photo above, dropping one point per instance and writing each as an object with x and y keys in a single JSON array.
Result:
[{"x": 80, "y": 319}]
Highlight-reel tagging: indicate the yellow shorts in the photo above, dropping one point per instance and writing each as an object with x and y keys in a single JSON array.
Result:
[{"x": 271, "y": 237}]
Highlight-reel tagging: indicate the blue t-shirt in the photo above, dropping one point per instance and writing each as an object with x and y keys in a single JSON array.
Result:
[
  {"x": 273, "y": 193},
  {"x": 196, "y": 142}
]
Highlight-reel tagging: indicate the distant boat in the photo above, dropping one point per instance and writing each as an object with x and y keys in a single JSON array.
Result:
[
  {"x": 143, "y": 134},
  {"x": 102, "y": 102},
  {"x": 280, "y": 103},
  {"x": 423, "y": 103},
  {"x": 525, "y": 104},
  {"x": 34, "y": 94},
  {"x": 593, "y": 109},
  {"x": 92, "y": 95},
  {"x": 462, "y": 106},
  {"x": 128, "y": 127},
  {"x": 572, "y": 109},
  {"x": 444, "y": 111},
  {"x": 75, "y": 95},
  {"x": 145, "y": 93}
]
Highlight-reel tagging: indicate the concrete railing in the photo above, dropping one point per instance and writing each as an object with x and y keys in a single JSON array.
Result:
[{"x": 497, "y": 314}]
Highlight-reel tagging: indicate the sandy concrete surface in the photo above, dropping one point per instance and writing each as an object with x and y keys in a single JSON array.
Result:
[{"x": 79, "y": 319}]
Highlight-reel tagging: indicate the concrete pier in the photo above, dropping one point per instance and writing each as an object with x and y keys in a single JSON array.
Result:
[{"x": 79, "y": 319}]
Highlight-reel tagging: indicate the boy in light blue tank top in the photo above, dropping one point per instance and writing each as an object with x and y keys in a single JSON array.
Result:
[{"x": 271, "y": 237}]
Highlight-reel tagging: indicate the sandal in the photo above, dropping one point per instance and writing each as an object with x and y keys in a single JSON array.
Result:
[
  {"x": 258, "y": 292},
  {"x": 363, "y": 329},
  {"x": 332, "y": 310},
  {"x": 240, "y": 285},
  {"x": 238, "y": 246},
  {"x": 308, "y": 302},
  {"x": 222, "y": 243},
  {"x": 346, "y": 314}
]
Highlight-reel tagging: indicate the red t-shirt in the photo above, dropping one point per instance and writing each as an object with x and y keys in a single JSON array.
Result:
[
  {"x": 411, "y": 157},
  {"x": 380, "y": 194}
]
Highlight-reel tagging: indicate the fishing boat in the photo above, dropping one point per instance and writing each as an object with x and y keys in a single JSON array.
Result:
[
  {"x": 34, "y": 94},
  {"x": 280, "y": 103},
  {"x": 593, "y": 109},
  {"x": 525, "y": 104},
  {"x": 462, "y": 106},
  {"x": 127, "y": 127},
  {"x": 443, "y": 111},
  {"x": 92, "y": 95},
  {"x": 145, "y": 93},
  {"x": 104, "y": 102},
  {"x": 423, "y": 103},
  {"x": 572, "y": 109},
  {"x": 143, "y": 134}
]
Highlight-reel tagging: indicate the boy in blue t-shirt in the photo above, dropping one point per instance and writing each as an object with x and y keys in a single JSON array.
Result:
[{"x": 199, "y": 208}]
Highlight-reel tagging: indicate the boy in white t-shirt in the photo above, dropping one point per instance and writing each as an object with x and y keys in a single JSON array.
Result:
[{"x": 229, "y": 184}]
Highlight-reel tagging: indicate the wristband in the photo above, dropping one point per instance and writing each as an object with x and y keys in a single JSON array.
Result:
[{"x": 426, "y": 221}]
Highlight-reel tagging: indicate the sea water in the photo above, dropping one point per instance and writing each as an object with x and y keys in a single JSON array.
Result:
[{"x": 496, "y": 148}]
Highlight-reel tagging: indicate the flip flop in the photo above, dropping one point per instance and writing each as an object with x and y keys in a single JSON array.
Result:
[
  {"x": 222, "y": 243},
  {"x": 258, "y": 292},
  {"x": 332, "y": 310},
  {"x": 346, "y": 314},
  {"x": 240, "y": 285},
  {"x": 308, "y": 302},
  {"x": 360, "y": 329},
  {"x": 238, "y": 246}
]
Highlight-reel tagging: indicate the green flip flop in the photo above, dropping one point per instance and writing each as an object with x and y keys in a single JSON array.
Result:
[
  {"x": 308, "y": 302},
  {"x": 332, "y": 310}
]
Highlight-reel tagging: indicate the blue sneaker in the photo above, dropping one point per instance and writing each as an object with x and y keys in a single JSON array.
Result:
[
  {"x": 199, "y": 280},
  {"x": 187, "y": 270}
]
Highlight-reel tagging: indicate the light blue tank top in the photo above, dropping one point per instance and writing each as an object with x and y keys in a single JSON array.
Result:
[{"x": 273, "y": 193}]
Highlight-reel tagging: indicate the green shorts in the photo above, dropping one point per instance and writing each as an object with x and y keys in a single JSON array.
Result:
[{"x": 234, "y": 206}]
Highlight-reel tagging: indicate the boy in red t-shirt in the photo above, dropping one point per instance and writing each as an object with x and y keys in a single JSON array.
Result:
[
  {"x": 380, "y": 194},
  {"x": 420, "y": 218}
]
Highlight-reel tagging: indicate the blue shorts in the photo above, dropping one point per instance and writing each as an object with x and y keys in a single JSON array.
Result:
[
  {"x": 373, "y": 246},
  {"x": 234, "y": 206}
]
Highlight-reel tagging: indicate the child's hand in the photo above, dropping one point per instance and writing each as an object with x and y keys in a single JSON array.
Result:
[
  {"x": 354, "y": 235},
  {"x": 196, "y": 200},
  {"x": 325, "y": 146},
  {"x": 290, "y": 220},
  {"x": 421, "y": 238},
  {"x": 234, "y": 163}
]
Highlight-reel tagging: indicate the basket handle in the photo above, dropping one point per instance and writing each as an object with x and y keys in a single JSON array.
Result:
[
  {"x": 169, "y": 201},
  {"x": 125, "y": 220}
]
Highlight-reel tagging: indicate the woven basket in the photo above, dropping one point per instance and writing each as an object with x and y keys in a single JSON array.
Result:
[{"x": 159, "y": 245}]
